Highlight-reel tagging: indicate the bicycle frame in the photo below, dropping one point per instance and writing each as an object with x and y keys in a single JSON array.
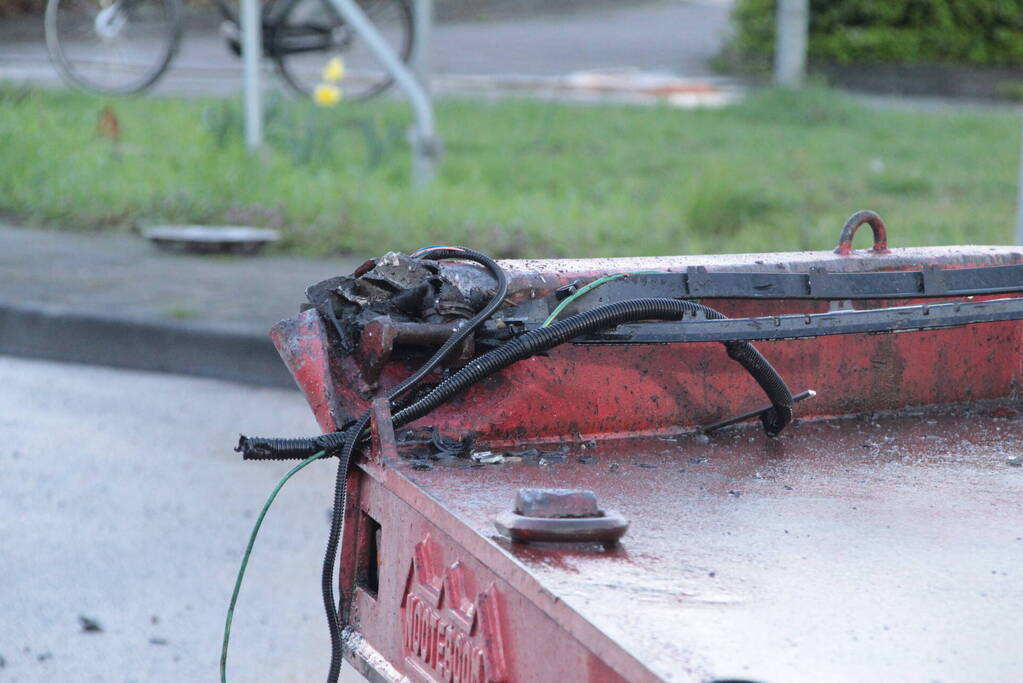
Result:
[{"x": 278, "y": 39}]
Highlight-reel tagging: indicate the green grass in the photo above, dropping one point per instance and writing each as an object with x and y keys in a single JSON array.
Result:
[{"x": 780, "y": 172}]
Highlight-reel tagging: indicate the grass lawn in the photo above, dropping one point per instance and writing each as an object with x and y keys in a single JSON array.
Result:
[{"x": 779, "y": 172}]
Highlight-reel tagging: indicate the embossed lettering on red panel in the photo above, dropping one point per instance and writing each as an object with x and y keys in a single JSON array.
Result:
[{"x": 451, "y": 630}]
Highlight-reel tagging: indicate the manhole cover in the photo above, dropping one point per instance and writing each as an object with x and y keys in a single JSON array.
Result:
[{"x": 210, "y": 239}]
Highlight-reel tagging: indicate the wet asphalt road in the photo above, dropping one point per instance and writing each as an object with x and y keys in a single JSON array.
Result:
[
  {"x": 121, "y": 501},
  {"x": 673, "y": 36}
]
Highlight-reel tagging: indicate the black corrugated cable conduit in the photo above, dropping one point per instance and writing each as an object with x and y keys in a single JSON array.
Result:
[
  {"x": 546, "y": 338},
  {"x": 348, "y": 439}
]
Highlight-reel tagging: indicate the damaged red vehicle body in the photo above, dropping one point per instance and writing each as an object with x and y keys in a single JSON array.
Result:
[{"x": 877, "y": 538}]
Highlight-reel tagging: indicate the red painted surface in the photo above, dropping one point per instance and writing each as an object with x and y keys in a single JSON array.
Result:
[
  {"x": 871, "y": 548},
  {"x": 708, "y": 582},
  {"x": 587, "y": 391},
  {"x": 462, "y": 581},
  {"x": 452, "y": 628},
  {"x": 302, "y": 343}
]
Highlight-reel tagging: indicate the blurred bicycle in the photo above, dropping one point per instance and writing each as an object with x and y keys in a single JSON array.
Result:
[{"x": 124, "y": 46}]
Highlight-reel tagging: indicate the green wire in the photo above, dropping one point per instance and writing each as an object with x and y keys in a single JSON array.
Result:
[
  {"x": 593, "y": 285},
  {"x": 245, "y": 559}
]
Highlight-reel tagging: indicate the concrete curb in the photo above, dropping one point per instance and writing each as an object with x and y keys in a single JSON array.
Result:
[
  {"x": 615, "y": 86},
  {"x": 53, "y": 333}
]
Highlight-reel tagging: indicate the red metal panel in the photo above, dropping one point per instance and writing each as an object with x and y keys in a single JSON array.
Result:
[
  {"x": 433, "y": 587},
  {"x": 709, "y": 582},
  {"x": 302, "y": 343},
  {"x": 871, "y": 548},
  {"x": 449, "y": 605},
  {"x": 592, "y": 391},
  {"x": 769, "y": 558}
]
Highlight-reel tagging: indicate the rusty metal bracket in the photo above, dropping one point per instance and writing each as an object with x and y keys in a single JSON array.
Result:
[
  {"x": 384, "y": 444},
  {"x": 934, "y": 281},
  {"x": 381, "y": 335}
]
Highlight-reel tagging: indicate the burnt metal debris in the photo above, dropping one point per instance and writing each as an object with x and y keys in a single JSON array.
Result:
[{"x": 392, "y": 290}]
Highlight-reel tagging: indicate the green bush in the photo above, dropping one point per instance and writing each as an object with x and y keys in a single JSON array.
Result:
[{"x": 978, "y": 32}]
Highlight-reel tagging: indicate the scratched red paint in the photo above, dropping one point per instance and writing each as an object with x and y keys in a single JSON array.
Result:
[
  {"x": 455, "y": 603},
  {"x": 449, "y": 633},
  {"x": 594, "y": 391}
]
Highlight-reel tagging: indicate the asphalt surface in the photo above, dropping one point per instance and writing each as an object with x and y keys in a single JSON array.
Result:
[
  {"x": 676, "y": 37},
  {"x": 122, "y": 503},
  {"x": 114, "y": 299}
]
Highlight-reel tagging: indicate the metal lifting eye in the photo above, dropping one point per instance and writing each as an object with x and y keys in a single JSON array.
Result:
[{"x": 845, "y": 239}]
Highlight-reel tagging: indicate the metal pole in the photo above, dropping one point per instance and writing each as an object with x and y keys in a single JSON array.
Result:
[
  {"x": 1019, "y": 197},
  {"x": 426, "y": 145},
  {"x": 792, "y": 26},
  {"x": 252, "y": 54},
  {"x": 421, "y": 63}
]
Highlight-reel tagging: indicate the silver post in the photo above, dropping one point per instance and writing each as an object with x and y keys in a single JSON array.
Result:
[
  {"x": 421, "y": 63},
  {"x": 426, "y": 145},
  {"x": 252, "y": 54},
  {"x": 792, "y": 25}
]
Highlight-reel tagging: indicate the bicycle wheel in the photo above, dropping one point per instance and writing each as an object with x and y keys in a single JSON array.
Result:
[
  {"x": 310, "y": 32},
  {"x": 113, "y": 47}
]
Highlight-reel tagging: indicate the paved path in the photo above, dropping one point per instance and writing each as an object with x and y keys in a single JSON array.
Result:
[
  {"x": 123, "y": 275},
  {"x": 676, "y": 37},
  {"x": 123, "y": 502},
  {"x": 112, "y": 299}
]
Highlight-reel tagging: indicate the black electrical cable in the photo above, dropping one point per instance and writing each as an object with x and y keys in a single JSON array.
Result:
[
  {"x": 449, "y": 445},
  {"x": 353, "y": 433},
  {"x": 345, "y": 442},
  {"x": 337, "y": 519},
  {"x": 276, "y": 448},
  {"x": 348, "y": 440},
  {"x": 544, "y": 338},
  {"x": 468, "y": 326}
]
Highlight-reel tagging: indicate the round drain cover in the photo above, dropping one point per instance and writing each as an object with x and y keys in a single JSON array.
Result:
[{"x": 210, "y": 239}]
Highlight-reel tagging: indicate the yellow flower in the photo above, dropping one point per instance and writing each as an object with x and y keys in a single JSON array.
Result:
[
  {"x": 327, "y": 95},
  {"x": 334, "y": 71}
]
